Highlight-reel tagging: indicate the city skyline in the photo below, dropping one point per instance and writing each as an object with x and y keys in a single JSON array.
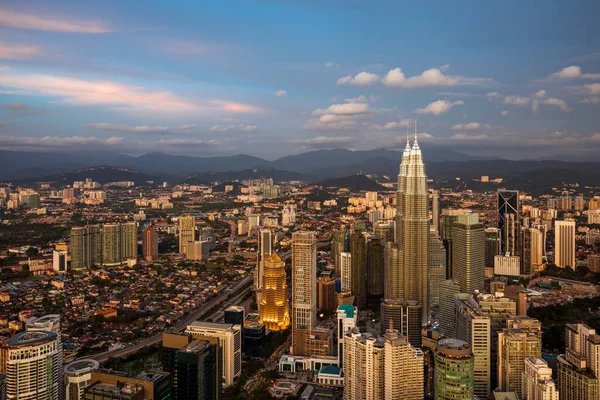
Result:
[{"x": 103, "y": 77}]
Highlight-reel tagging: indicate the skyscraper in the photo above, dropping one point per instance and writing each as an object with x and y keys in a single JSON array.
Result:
[
  {"x": 274, "y": 308},
  {"x": 403, "y": 368},
  {"x": 150, "y": 244},
  {"x": 364, "y": 366},
  {"x": 78, "y": 376},
  {"x": 111, "y": 244},
  {"x": 537, "y": 381},
  {"x": 564, "y": 244},
  {"x": 453, "y": 370},
  {"x": 437, "y": 266},
  {"x": 86, "y": 246},
  {"x": 448, "y": 290},
  {"x": 265, "y": 244},
  {"x": 129, "y": 242},
  {"x": 196, "y": 373},
  {"x": 509, "y": 221},
  {"x": 375, "y": 261},
  {"x": 404, "y": 316},
  {"x": 579, "y": 367},
  {"x": 492, "y": 245},
  {"x": 435, "y": 211},
  {"x": 412, "y": 228},
  {"x": 468, "y": 253},
  {"x": 532, "y": 251},
  {"x": 304, "y": 290},
  {"x": 359, "y": 265},
  {"x": 187, "y": 232},
  {"x": 346, "y": 270}
]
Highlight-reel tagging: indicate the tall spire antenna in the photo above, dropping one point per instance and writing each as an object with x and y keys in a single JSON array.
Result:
[
  {"x": 415, "y": 129},
  {"x": 407, "y": 128}
]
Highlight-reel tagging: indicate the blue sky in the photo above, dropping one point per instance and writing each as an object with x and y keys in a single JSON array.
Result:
[{"x": 515, "y": 79}]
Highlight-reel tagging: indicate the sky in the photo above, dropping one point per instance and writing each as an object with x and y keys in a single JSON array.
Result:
[{"x": 515, "y": 79}]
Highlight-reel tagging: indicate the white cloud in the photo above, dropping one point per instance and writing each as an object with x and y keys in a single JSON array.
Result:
[
  {"x": 361, "y": 79},
  {"x": 394, "y": 125},
  {"x": 18, "y": 52},
  {"x": 591, "y": 100},
  {"x": 14, "y": 19},
  {"x": 516, "y": 100},
  {"x": 464, "y": 136},
  {"x": 187, "y": 128},
  {"x": 572, "y": 72},
  {"x": 540, "y": 94},
  {"x": 359, "y": 99},
  {"x": 126, "y": 128},
  {"x": 323, "y": 141},
  {"x": 551, "y": 102},
  {"x": 238, "y": 128},
  {"x": 430, "y": 77},
  {"x": 471, "y": 126},
  {"x": 280, "y": 93},
  {"x": 330, "y": 64},
  {"x": 344, "y": 109},
  {"x": 592, "y": 89},
  {"x": 438, "y": 107},
  {"x": 492, "y": 94},
  {"x": 504, "y": 113}
]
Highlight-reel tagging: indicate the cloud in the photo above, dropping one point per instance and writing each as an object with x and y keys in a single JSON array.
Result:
[
  {"x": 438, "y": 107},
  {"x": 126, "y": 128},
  {"x": 344, "y": 109},
  {"x": 361, "y": 79},
  {"x": 18, "y": 52},
  {"x": 394, "y": 125},
  {"x": 591, "y": 100},
  {"x": 492, "y": 94},
  {"x": 572, "y": 72},
  {"x": 187, "y": 128},
  {"x": 236, "y": 128},
  {"x": 592, "y": 89},
  {"x": 280, "y": 93},
  {"x": 504, "y": 113},
  {"x": 323, "y": 141},
  {"x": 540, "y": 94},
  {"x": 359, "y": 99},
  {"x": 430, "y": 77},
  {"x": 14, "y": 19},
  {"x": 464, "y": 136},
  {"x": 330, "y": 64},
  {"x": 517, "y": 100},
  {"x": 235, "y": 107},
  {"x": 16, "y": 106},
  {"x": 551, "y": 102},
  {"x": 471, "y": 126}
]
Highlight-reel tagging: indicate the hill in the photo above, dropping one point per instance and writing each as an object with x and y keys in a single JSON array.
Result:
[
  {"x": 354, "y": 183},
  {"x": 102, "y": 174},
  {"x": 207, "y": 178}
]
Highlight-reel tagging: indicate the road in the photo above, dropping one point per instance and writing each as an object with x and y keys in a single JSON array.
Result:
[{"x": 191, "y": 317}]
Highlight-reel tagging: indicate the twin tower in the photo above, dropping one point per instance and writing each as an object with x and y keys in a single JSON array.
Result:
[{"x": 407, "y": 269}]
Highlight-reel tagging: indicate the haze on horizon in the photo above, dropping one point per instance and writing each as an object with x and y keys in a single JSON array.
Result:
[{"x": 271, "y": 78}]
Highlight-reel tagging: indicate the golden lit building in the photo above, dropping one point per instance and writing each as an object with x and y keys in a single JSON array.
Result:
[
  {"x": 187, "y": 232},
  {"x": 275, "y": 309}
]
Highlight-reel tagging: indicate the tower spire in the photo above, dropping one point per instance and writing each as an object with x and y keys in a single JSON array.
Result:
[
  {"x": 407, "y": 128},
  {"x": 415, "y": 130}
]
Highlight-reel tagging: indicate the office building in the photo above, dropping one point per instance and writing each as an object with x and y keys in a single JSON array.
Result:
[
  {"x": 412, "y": 229},
  {"x": 150, "y": 244},
  {"x": 85, "y": 246},
  {"x": 34, "y": 366},
  {"x": 375, "y": 265},
  {"x": 508, "y": 217},
  {"x": 207, "y": 234},
  {"x": 59, "y": 261},
  {"x": 326, "y": 294},
  {"x": 274, "y": 308},
  {"x": 346, "y": 320},
  {"x": 339, "y": 245},
  {"x": 111, "y": 384},
  {"x": 564, "y": 244},
  {"x": 230, "y": 342},
  {"x": 129, "y": 242},
  {"x": 435, "y": 211},
  {"x": 468, "y": 253},
  {"x": 304, "y": 290},
  {"x": 537, "y": 381},
  {"x": 492, "y": 245},
  {"x": 475, "y": 328},
  {"x": 403, "y": 368},
  {"x": 265, "y": 248},
  {"x": 198, "y": 250},
  {"x": 532, "y": 240},
  {"x": 78, "y": 376},
  {"x": 437, "y": 267},
  {"x": 579, "y": 367},
  {"x": 404, "y": 316},
  {"x": 359, "y": 265},
  {"x": 187, "y": 232},
  {"x": 196, "y": 372},
  {"x": 111, "y": 244},
  {"x": 364, "y": 366},
  {"x": 448, "y": 291},
  {"x": 520, "y": 340},
  {"x": 453, "y": 372},
  {"x": 507, "y": 265},
  {"x": 346, "y": 271}
]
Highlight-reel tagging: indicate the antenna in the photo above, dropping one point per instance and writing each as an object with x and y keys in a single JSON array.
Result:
[
  {"x": 415, "y": 129},
  {"x": 407, "y": 127}
]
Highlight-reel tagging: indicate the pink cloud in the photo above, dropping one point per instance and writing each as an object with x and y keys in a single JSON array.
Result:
[
  {"x": 14, "y": 19},
  {"x": 17, "y": 52}
]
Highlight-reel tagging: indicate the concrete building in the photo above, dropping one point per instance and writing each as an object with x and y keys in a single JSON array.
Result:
[
  {"x": 196, "y": 373},
  {"x": 59, "y": 261},
  {"x": 346, "y": 320},
  {"x": 265, "y": 248},
  {"x": 453, "y": 370},
  {"x": 187, "y": 232},
  {"x": 448, "y": 291},
  {"x": 358, "y": 248},
  {"x": 304, "y": 290},
  {"x": 403, "y": 368},
  {"x": 437, "y": 266},
  {"x": 537, "y": 381},
  {"x": 198, "y": 250},
  {"x": 468, "y": 253},
  {"x": 230, "y": 342},
  {"x": 507, "y": 265},
  {"x": 85, "y": 246},
  {"x": 150, "y": 244},
  {"x": 564, "y": 244},
  {"x": 364, "y": 366},
  {"x": 274, "y": 308},
  {"x": 508, "y": 217},
  {"x": 579, "y": 367},
  {"x": 404, "y": 316},
  {"x": 78, "y": 376},
  {"x": 346, "y": 270}
]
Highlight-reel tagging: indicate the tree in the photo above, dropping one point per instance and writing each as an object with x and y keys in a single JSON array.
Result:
[{"x": 32, "y": 252}]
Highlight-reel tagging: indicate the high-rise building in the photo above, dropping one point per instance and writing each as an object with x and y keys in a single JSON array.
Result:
[
  {"x": 346, "y": 271},
  {"x": 198, "y": 250},
  {"x": 50, "y": 323},
  {"x": 196, "y": 373},
  {"x": 34, "y": 366},
  {"x": 453, "y": 372},
  {"x": 364, "y": 366},
  {"x": 579, "y": 367},
  {"x": 78, "y": 376},
  {"x": 492, "y": 245},
  {"x": 532, "y": 253},
  {"x": 230, "y": 342},
  {"x": 404, "y": 316},
  {"x": 86, "y": 246},
  {"x": 375, "y": 265},
  {"x": 111, "y": 244},
  {"x": 475, "y": 328},
  {"x": 304, "y": 290},
  {"x": 274, "y": 308},
  {"x": 265, "y": 244},
  {"x": 403, "y": 368},
  {"x": 326, "y": 294},
  {"x": 59, "y": 261},
  {"x": 537, "y": 381},
  {"x": 347, "y": 315},
  {"x": 393, "y": 285},
  {"x": 509, "y": 221},
  {"x": 468, "y": 253},
  {"x": 448, "y": 291},
  {"x": 412, "y": 228},
  {"x": 338, "y": 246},
  {"x": 437, "y": 266},
  {"x": 187, "y": 232},
  {"x": 359, "y": 265},
  {"x": 522, "y": 339},
  {"x": 564, "y": 244},
  {"x": 129, "y": 242},
  {"x": 435, "y": 211},
  {"x": 150, "y": 244}
]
